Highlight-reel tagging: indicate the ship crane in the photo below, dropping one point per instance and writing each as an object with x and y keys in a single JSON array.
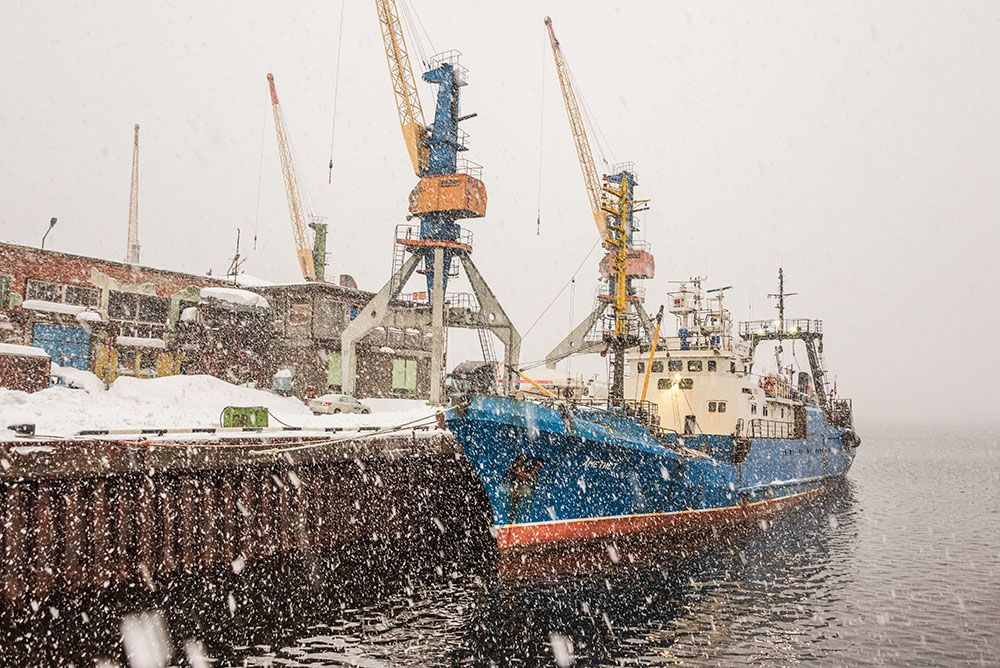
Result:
[
  {"x": 619, "y": 313},
  {"x": 445, "y": 193},
  {"x": 312, "y": 258}
]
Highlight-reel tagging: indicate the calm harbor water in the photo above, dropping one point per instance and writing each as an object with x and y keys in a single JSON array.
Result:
[{"x": 899, "y": 566}]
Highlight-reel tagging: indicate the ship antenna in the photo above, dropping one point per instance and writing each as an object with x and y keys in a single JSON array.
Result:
[{"x": 780, "y": 295}]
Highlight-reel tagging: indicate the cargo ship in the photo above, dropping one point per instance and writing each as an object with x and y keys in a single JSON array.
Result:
[{"x": 690, "y": 437}]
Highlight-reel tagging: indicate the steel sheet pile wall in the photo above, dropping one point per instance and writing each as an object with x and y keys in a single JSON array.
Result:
[{"x": 92, "y": 515}]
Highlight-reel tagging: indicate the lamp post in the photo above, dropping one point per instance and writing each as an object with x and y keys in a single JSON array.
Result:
[{"x": 52, "y": 223}]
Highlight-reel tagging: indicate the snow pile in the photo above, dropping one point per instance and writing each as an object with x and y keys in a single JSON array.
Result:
[
  {"x": 248, "y": 281},
  {"x": 140, "y": 342},
  {"x": 235, "y": 296},
  {"x": 174, "y": 402},
  {"x": 88, "y": 316},
  {"x": 21, "y": 351},
  {"x": 79, "y": 378},
  {"x": 52, "y": 307}
]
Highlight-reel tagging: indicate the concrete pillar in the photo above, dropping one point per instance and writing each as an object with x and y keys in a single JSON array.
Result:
[{"x": 437, "y": 329}]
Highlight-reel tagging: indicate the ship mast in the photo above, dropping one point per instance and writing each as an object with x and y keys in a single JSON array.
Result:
[{"x": 780, "y": 295}]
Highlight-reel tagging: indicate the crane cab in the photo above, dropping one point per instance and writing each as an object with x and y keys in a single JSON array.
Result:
[{"x": 461, "y": 195}]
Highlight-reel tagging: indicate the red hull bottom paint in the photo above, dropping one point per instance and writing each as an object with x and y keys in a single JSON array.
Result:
[{"x": 527, "y": 535}]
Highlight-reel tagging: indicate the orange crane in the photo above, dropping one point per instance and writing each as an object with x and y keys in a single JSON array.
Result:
[
  {"x": 302, "y": 247},
  {"x": 132, "y": 250}
]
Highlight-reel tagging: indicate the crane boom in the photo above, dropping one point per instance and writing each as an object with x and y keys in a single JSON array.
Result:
[
  {"x": 302, "y": 248},
  {"x": 591, "y": 179},
  {"x": 411, "y": 114}
]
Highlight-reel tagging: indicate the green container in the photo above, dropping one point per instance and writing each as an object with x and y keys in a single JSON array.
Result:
[{"x": 244, "y": 416}]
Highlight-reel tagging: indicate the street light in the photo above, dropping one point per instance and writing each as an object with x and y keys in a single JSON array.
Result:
[{"x": 52, "y": 223}]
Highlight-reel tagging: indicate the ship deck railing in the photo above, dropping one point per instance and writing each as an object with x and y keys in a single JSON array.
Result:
[{"x": 770, "y": 328}]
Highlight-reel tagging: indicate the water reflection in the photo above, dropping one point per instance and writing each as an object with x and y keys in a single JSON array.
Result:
[
  {"x": 766, "y": 592},
  {"x": 755, "y": 593}
]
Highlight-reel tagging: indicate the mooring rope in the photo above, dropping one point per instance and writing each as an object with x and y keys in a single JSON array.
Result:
[{"x": 423, "y": 421}]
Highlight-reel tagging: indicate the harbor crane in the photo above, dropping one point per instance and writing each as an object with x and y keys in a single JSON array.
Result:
[
  {"x": 619, "y": 309},
  {"x": 132, "y": 249},
  {"x": 312, "y": 259},
  {"x": 447, "y": 191}
]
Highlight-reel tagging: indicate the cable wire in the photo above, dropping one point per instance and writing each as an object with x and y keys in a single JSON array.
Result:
[
  {"x": 336, "y": 88},
  {"x": 561, "y": 290}
]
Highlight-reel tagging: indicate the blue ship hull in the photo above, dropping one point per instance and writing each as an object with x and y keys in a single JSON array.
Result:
[{"x": 552, "y": 475}]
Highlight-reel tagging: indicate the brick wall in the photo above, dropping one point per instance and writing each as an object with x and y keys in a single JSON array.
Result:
[{"x": 23, "y": 262}]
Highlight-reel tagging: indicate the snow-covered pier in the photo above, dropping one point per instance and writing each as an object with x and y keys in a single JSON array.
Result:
[{"x": 90, "y": 513}]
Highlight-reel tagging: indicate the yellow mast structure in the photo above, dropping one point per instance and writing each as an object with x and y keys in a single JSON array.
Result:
[
  {"x": 411, "y": 114},
  {"x": 302, "y": 248}
]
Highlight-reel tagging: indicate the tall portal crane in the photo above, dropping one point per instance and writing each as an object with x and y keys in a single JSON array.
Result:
[
  {"x": 404, "y": 87},
  {"x": 302, "y": 248},
  {"x": 444, "y": 195},
  {"x": 619, "y": 308},
  {"x": 132, "y": 249},
  {"x": 591, "y": 179}
]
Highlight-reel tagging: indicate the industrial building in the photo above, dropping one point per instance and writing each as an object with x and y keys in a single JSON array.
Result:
[{"x": 113, "y": 319}]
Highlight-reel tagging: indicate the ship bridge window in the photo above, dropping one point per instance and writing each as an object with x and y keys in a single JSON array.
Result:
[
  {"x": 712, "y": 406},
  {"x": 716, "y": 406},
  {"x": 663, "y": 384},
  {"x": 712, "y": 365},
  {"x": 695, "y": 365},
  {"x": 675, "y": 365},
  {"x": 685, "y": 383},
  {"x": 657, "y": 367},
  {"x": 722, "y": 406},
  {"x": 640, "y": 367},
  {"x": 753, "y": 409},
  {"x": 765, "y": 410}
]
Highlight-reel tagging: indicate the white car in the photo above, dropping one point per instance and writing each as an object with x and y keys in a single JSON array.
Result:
[{"x": 337, "y": 403}]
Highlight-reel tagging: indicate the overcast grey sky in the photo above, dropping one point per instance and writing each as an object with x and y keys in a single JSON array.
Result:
[{"x": 857, "y": 144}]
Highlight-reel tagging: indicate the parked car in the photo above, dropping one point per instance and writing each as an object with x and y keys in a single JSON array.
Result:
[{"x": 337, "y": 403}]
